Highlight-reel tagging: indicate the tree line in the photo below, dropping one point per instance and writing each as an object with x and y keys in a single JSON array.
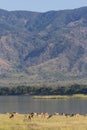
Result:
[{"x": 44, "y": 90}]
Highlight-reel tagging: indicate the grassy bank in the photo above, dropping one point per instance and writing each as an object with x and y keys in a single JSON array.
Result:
[
  {"x": 56, "y": 122},
  {"x": 61, "y": 96}
]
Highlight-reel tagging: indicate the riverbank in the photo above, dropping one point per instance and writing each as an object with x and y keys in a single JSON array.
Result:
[
  {"x": 54, "y": 122},
  {"x": 79, "y": 96},
  {"x": 44, "y": 90}
]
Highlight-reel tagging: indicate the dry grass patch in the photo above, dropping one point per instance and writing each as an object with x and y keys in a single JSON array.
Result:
[
  {"x": 61, "y": 96},
  {"x": 60, "y": 122}
]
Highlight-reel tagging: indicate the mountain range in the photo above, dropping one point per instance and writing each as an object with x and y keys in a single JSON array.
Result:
[{"x": 43, "y": 48}]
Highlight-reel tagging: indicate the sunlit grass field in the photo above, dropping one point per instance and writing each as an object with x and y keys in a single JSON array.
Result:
[
  {"x": 61, "y": 96},
  {"x": 56, "y": 122}
]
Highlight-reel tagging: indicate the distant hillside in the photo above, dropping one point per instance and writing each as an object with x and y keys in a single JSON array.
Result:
[{"x": 43, "y": 48}]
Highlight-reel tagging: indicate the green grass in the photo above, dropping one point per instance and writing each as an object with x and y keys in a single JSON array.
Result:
[
  {"x": 61, "y": 96},
  {"x": 79, "y": 96},
  {"x": 51, "y": 97},
  {"x": 56, "y": 122}
]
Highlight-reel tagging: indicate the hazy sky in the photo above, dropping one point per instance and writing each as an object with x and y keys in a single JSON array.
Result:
[{"x": 41, "y": 5}]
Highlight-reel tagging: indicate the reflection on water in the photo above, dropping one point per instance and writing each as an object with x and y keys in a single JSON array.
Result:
[{"x": 26, "y": 104}]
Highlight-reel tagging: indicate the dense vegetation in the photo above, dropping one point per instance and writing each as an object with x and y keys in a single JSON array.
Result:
[{"x": 34, "y": 90}]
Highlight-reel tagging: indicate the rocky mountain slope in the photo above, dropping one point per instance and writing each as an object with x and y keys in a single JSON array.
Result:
[{"x": 39, "y": 48}]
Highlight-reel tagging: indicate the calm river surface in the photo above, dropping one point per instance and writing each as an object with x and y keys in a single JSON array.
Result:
[{"x": 26, "y": 104}]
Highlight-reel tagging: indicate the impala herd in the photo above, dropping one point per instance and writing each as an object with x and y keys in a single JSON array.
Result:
[{"x": 30, "y": 116}]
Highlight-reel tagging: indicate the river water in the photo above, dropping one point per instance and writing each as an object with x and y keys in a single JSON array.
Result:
[{"x": 26, "y": 104}]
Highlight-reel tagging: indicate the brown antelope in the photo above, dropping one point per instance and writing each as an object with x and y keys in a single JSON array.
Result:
[
  {"x": 49, "y": 116},
  {"x": 11, "y": 115}
]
